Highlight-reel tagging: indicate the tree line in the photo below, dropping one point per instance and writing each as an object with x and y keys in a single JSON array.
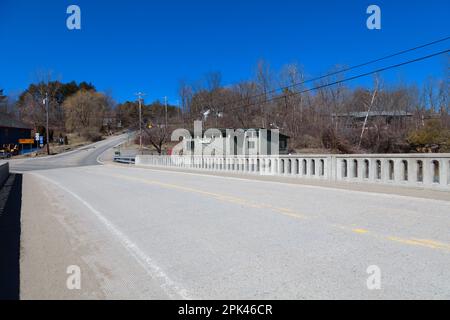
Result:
[
  {"x": 72, "y": 108},
  {"x": 332, "y": 118},
  {"x": 337, "y": 118},
  {"x": 79, "y": 108}
]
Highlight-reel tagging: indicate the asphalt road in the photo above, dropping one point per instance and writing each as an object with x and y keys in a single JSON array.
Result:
[
  {"x": 85, "y": 156},
  {"x": 147, "y": 234}
]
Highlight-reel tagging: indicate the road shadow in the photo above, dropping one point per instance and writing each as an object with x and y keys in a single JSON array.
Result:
[{"x": 10, "y": 228}]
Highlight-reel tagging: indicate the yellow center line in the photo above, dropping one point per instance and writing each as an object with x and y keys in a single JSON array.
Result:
[
  {"x": 423, "y": 243},
  {"x": 360, "y": 231},
  {"x": 426, "y": 243},
  {"x": 218, "y": 196}
]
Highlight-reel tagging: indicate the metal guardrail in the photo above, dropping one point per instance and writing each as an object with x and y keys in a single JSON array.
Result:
[{"x": 125, "y": 159}]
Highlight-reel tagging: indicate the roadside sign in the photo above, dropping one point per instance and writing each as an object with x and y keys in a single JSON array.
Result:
[
  {"x": 36, "y": 137},
  {"x": 41, "y": 141},
  {"x": 26, "y": 141}
]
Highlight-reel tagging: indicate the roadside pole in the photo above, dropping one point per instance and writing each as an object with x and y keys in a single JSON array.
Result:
[
  {"x": 165, "y": 107},
  {"x": 46, "y": 126},
  {"x": 140, "y": 95},
  {"x": 140, "y": 125}
]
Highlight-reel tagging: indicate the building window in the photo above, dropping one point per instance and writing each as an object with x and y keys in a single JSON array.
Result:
[{"x": 251, "y": 134}]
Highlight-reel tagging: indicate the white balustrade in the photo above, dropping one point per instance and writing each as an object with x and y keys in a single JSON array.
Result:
[{"x": 430, "y": 171}]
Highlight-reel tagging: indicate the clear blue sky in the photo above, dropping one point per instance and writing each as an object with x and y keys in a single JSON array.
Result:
[{"x": 127, "y": 46}]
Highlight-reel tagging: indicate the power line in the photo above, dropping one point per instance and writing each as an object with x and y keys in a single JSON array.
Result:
[
  {"x": 338, "y": 72},
  {"x": 367, "y": 63},
  {"x": 348, "y": 79}
]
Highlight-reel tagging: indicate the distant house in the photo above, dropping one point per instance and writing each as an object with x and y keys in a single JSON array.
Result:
[
  {"x": 356, "y": 119},
  {"x": 11, "y": 130},
  {"x": 240, "y": 142}
]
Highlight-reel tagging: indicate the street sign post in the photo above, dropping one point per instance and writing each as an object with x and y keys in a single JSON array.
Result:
[
  {"x": 23, "y": 142},
  {"x": 26, "y": 141},
  {"x": 36, "y": 138}
]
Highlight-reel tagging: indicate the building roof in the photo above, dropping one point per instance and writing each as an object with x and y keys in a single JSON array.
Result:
[
  {"x": 224, "y": 131},
  {"x": 8, "y": 121},
  {"x": 363, "y": 114}
]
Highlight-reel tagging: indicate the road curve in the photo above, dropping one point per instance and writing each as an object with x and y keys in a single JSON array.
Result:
[{"x": 84, "y": 156}]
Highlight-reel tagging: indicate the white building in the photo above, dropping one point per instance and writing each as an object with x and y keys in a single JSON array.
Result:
[{"x": 248, "y": 142}]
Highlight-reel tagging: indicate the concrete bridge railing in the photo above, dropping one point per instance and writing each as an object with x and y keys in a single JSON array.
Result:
[
  {"x": 431, "y": 171},
  {"x": 4, "y": 172}
]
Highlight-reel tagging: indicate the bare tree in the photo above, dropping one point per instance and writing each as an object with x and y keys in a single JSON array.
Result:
[
  {"x": 429, "y": 94},
  {"x": 156, "y": 136},
  {"x": 264, "y": 85},
  {"x": 292, "y": 78},
  {"x": 186, "y": 93},
  {"x": 369, "y": 105},
  {"x": 85, "y": 113},
  {"x": 213, "y": 81}
]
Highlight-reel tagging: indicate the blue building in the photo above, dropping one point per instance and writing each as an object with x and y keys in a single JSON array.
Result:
[{"x": 11, "y": 130}]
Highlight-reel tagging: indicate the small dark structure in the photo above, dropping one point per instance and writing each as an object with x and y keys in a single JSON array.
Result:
[
  {"x": 356, "y": 119},
  {"x": 11, "y": 130}
]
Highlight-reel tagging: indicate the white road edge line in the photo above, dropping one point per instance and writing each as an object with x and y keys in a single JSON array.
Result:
[{"x": 173, "y": 290}]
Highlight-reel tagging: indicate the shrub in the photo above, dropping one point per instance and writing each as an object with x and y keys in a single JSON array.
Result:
[
  {"x": 432, "y": 136},
  {"x": 91, "y": 135}
]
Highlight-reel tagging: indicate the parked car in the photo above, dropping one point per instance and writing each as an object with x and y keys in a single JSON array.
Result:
[{"x": 5, "y": 155}]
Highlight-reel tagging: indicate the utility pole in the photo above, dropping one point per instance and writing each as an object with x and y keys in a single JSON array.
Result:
[
  {"x": 140, "y": 95},
  {"x": 165, "y": 106},
  {"x": 46, "y": 126}
]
